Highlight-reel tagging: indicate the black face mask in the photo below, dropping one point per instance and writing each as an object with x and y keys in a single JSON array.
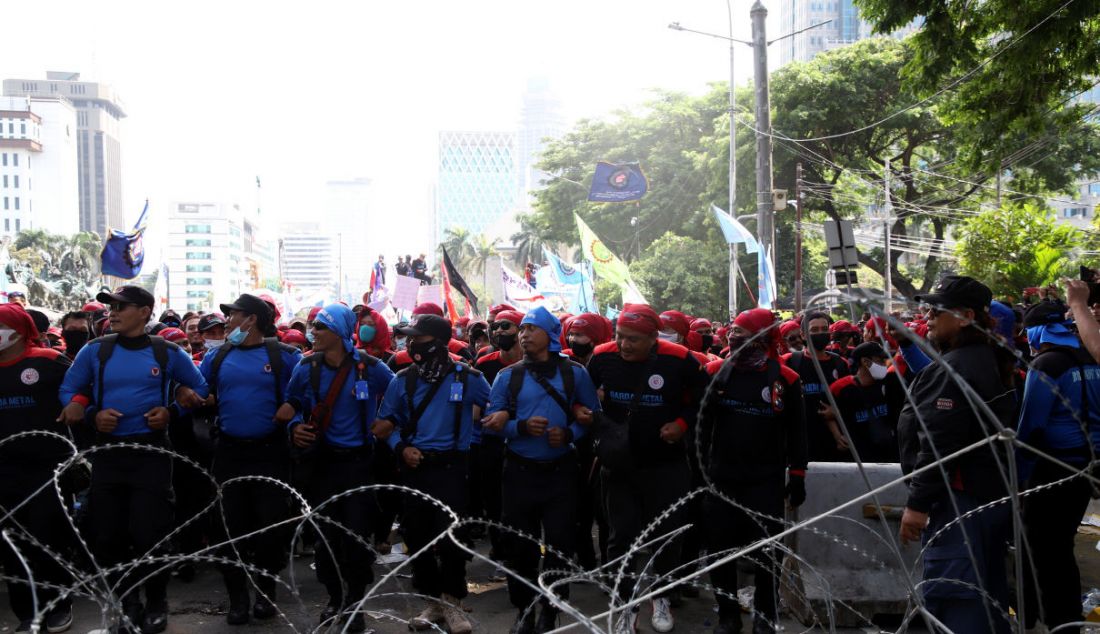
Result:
[
  {"x": 430, "y": 358},
  {"x": 583, "y": 349},
  {"x": 708, "y": 341},
  {"x": 749, "y": 355},
  {"x": 820, "y": 340},
  {"x": 74, "y": 340},
  {"x": 505, "y": 342}
]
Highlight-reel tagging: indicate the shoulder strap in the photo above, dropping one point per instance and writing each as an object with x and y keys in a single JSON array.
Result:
[
  {"x": 773, "y": 376},
  {"x": 160, "y": 354},
  {"x": 415, "y": 412},
  {"x": 275, "y": 360},
  {"x": 515, "y": 384},
  {"x": 794, "y": 362},
  {"x": 315, "y": 376},
  {"x": 106, "y": 349},
  {"x": 216, "y": 366},
  {"x": 460, "y": 375},
  {"x": 565, "y": 369}
]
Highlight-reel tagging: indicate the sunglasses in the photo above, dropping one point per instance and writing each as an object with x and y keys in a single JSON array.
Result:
[
  {"x": 501, "y": 325},
  {"x": 119, "y": 306},
  {"x": 794, "y": 339},
  {"x": 319, "y": 326}
]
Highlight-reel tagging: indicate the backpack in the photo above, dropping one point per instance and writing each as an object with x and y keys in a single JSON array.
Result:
[
  {"x": 408, "y": 432},
  {"x": 160, "y": 354},
  {"x": 365, "y": 361},
  {"x": 274, "y": 358},
  {"x": 568, "y": 380}
]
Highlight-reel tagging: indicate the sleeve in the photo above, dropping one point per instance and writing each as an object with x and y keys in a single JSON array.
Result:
[
  {"x": 80, "y": 377},
  {"x": 298, "y": 393},
  {"x": 290, "y": 360},
  {"x": 1038, "y": 401},
  {"x": 585, "y": 394},
  {"x": 695, "y": 381},
  {"x": 394, "y": 409},
  {"x": 185, "y": 372},
  {"x": 498, "y": 402},
  {"x": 914, "y": 357},
  {"x": 797, "y": 444},
  {"x": 379, "y": 376},
  {"x": 948, "y": 418},
  {"x": 206, "y": 367}
]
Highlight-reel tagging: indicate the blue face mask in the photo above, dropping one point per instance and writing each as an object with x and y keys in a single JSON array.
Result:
[
  {"x": 310, "y": 337},
  {"x": 236, "y": 337},
  {"x": 401, "y": 344},
  {"x": 367, "y": 333}
]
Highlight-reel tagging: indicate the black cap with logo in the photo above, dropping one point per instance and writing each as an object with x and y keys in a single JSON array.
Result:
[
  {"x": 213, "y": 320},
  {"x": 250, "y": 304},
  {"x": 127, "y": 295},
  {"x": 434, "y": 325},
  {"x": 959, "y": 291}
]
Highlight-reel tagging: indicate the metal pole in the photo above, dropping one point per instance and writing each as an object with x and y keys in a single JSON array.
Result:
[
  {"x": 765, "y": 213},
  {"x": 734, "y": 264},
  {"x": 798, "y": 238},
  {"x": 888, "y": 209}
]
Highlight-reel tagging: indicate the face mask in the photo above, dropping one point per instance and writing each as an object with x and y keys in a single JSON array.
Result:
[
  {"x": 878, "y": 371},
  {"x": 505, "y": 342},
  {"x": 583, "y": 349},
  {"x": 214, "y": 344},
  {"x": 366, "y": 333},
  {"x": 424, "y": 350},
  {"x": 820, "y": 340},
  {"x": 458, "y": 333},
  {"x": 74, "y": 340},
  {"x": 237, "y": 337},
  {"x": 8, "y": 338},
  {"x": 668, "y": 336},
  {"x": 708, "y": 341},
  {"x": 310, "y": 337}
]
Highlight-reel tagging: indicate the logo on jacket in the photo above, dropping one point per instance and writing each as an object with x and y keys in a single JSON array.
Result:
[
  {"x": 656, "y": 381},
  {"x": 29, "y": 376},
  {"x": 945, "y": 403},
  {"x": 155, "y": 371},
  {"x": 267, "y": 368}
]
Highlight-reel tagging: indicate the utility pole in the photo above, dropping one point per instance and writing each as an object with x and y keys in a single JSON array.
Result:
[
  {"x": 798, "y": 237},
  {"x": 734, "y": 264},
  {"x": 887, "y": 220},
  {"x": 765, "y": 212}
]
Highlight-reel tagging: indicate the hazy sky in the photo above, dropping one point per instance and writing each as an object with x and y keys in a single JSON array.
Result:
[{"x": 299, "y": 93}]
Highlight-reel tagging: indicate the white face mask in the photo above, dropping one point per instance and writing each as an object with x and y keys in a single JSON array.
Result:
[
  {"x": 8, "y": 338},
  {"x": 878, "y": 372},
  {"x": 669, "y": 335},
  {"x": 214, "y": 344}
]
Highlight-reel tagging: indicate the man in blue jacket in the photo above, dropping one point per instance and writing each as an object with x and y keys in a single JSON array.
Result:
[
  {"x": 131, "y": 498},
  {"x": 541, "y": 405},
  {"x": 334, "y": 393},
  {"x": 248, "y": 377},
  {"x": 427, "y": 417}
]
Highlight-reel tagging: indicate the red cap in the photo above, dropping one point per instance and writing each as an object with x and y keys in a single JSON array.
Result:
[
  {"x": 382, "y": 338},
  {"x": 273, "y": 304},
  {"x": 172, "y": 334},
  {"x": 313, "y": 313},
  {"x": 509, "y": 315},
  {"x": 700, "y": 324},
  {"x": 462, "y": 322},
  {"x": 14, "y": 316},
  {"x": 92, "y": 307},
  {"x": 787, "y": 327},
  {"x": 292, "y": 336},
  {"x": 591, "y": 325},
  {"x": 755, "y": 320},
  {"x": 843, "y": 326},
  {"x": 428, "y": 308},
  {"x": 640, "y": 317},
  {"x": 674, "y": 320},
  {"x": 494, "y": 310}
]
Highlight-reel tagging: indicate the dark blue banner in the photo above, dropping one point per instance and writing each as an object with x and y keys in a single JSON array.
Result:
[
  {"x": 617, "y": 183},
  {"x": 123, "y": 254}
]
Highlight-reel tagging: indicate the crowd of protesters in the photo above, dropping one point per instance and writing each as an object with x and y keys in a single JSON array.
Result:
[{"x": 572, "y": 431}]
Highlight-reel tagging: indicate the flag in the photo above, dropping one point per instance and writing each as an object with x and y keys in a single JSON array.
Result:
[
  {"x": 765, "y": 290},
  {"x": 734, "y": 231},
  {"x": 564, "y": 273},
  {"x": 452, "y": 312},
  {"x": 617, "y": 183},
  {"x": 123, "y": 253},
  {"x": 517, "y": 291},
  {"x": 573, "y": 283},
  {"x": 160, "y": 289},
  {"x": 459, "y": 284},
  {"x": 607, "y": 264}
]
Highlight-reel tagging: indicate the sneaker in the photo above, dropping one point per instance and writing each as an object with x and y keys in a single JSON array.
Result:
[
  {"x": 156, "y": 618},
  {"x": 238, "y": 609},
  {"x": 428, "y": 617},
  {"x": 455, "y": 616},
  {"x": 662, "y": 616},
  {"x": 60, "y": 619},
  {"x": 24, "y": 625},
  {"x": 627, "y": 623}
]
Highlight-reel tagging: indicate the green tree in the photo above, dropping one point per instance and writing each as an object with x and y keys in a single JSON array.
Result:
[
  {"x": 58, "y": 270},
  {"x": 458, "y": 242},
  {"x": 679, "y": 272},
  {"x": 482, "y": 250},
  {"x": 1015, "y": 247}
]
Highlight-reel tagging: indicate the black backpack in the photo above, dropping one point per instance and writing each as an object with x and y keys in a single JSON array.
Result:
[
  {"x": 568, "y": 380},
  {"x": 160, "y": 353},
  {"x": 274, "y": 358}
]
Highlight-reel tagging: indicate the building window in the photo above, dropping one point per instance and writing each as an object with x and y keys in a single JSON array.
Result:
[
  {"x": 199, "y": 281},
  {"x": 5, "y": 181},
  {"x": 1094, "y": 189},
  {"x": 197, "y": 229},
  {"x": 6, "y": 203},
  {"x": 23, "y": 129},
  {"x": 17, "y": 209},
  {"x": 15, "y": 159},
  {"x": 199, "y": 268},
  {"x": 197, "y": 294},
  {"x": 7, "y": 225},
  {"x": 1068, "y": 212},
  {"x": 199, "y": 255},
  {"x": 17, "y": 229},
  {"x": 4, "y": 161},
  {"x": 197, "y": 243},
  {"x": 16, "y": 179}
]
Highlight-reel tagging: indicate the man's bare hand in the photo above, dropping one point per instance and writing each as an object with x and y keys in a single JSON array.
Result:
[
  {"x": 72, "y": 414},
  {"x": 157, "y": 418},
  {"x": 412, "y": 457},
  {"x": 912, "y": 524},
  {"x": 382, "y": 429},
  {"x": 536, "y": 425},
  {"x": 304, "y": 435},
  {"x": 495, "y": 421},
  {"x": 671, "y": 432},
  {"x": 557, "y": 436},
  {"x": 106, "y": 420}
]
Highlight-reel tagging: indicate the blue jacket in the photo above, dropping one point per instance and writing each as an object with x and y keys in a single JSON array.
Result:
[
  {"x": 1046, "y": 421},
  {"x": 533, "y": 400},
  {"x": 435, "y": 430},
  {"x": 131, "y": 381},
  {"x": 351, "y": 417},
  {"x": 246, "y": 388}
]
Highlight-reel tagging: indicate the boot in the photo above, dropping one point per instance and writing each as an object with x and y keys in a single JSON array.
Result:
[
  {"x": 428, "y": 617},
  {"x": 264, "y": 608},
  {"x": 455, "y": 616}
]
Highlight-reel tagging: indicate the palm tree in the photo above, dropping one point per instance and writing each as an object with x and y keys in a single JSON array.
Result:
[
  {"x": 482, "y": 250},
  {"x": 457, "y": 241}
]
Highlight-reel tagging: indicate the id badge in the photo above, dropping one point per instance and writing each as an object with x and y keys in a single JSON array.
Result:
[
  {"x": 362, "y": 391},
  {"x": 456, "y": 393}
]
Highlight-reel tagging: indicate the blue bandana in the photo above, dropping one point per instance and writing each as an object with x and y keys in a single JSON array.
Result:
[
  {"x": 1056, "y": 334},
  {"x": 340, "y": 320},
  {"x": 542, "y": 318}
]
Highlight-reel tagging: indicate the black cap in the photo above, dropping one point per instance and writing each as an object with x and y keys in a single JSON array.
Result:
[
  {"x": 870, "y": 350},
  {"x": 127, "y": 295},
  {"x": 959, "y": 291},
  {"x": 206, "y": 322},
  {"x": 1044, "y": 313},
  {"x": 252, "y": 305},
  {"x": 16, "y": 294},
  {"x": 434, "y": 325},
  {"x": 41, "y": 321}
]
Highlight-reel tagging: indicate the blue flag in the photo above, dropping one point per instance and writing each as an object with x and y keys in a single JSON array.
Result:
[
  {"x": 734, "y": 231},
  {"x": 617, "y": 183},
  {"x": 566, "y": 274},
  {"x": 124, "y": 253}
]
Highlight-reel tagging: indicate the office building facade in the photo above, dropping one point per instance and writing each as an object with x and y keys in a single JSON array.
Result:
[{"x": 38, "y": 166}]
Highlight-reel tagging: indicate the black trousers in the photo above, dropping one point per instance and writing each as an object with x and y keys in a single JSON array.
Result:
[
  {"x": 1051, "y": 518},
  {"x": 632, "y": 500},
  {"x": 443, "y": 476},
  {"x": 384, "y": 471},
  {"x": 250, "y": 506},
  {"x": 41, "y": 517},
  {"x": 339, "y": 554},
  {"x": 730, "y": 527},
  {"x": 539, "y": 499},
  {"x": 587, "y": 506},
  {"x": 490, "y": 467},
  {"x": 132, "y": 503}
]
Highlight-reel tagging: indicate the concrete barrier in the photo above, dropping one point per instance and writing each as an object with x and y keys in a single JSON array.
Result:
[{"x": 849, "y": 572}]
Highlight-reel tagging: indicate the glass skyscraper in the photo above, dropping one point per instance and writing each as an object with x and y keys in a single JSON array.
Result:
[{"x": 477, "y": 183}]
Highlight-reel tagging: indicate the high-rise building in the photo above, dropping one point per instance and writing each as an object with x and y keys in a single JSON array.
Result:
[
  {"x": 38, "y": 166},
  {"x": 206, "y": 255},
  {"x": 540, "y": 120},
  {"x": 847, "y": 26},
  {"x": 477, "y": 184},
  {"x": 99, "y": 152},
  {"x": 309, "y": 258}
]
